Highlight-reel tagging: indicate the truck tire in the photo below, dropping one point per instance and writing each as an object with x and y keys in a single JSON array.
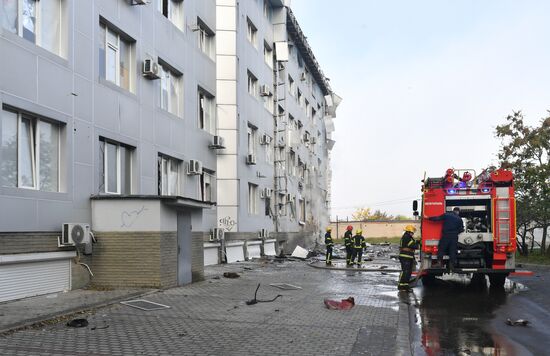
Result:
[
  {"x": 497, "y": 280},
  {"x": 428, "y": 280},
  {"x": 478, "y": 280}
]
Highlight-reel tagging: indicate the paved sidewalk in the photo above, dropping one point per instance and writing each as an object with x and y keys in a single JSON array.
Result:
[
  {"x": 212, "y": 318},
  {"x": 25, "y": 312}
]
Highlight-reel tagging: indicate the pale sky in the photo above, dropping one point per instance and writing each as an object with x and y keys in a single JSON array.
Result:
[{"x": 424, "y": 84}]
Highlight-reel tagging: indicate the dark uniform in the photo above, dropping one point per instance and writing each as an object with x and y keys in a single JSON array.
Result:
[
  {"x": 452, "y": 226},
  {"x": 358, "y": 244},
  {"x": 406, "y": 256},
  {"x": 328, "y": 244},
  {"x": 349, "y": 249}
]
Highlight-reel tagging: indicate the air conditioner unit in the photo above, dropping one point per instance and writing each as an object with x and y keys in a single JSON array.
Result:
[
  {"x": 194, "y": 167},
  {"x": 217, "y": 234},
  {"x": 288, "y": 198},
  {"x": 74, "y": 234},
  {"x": 251, "y": 159},
  {"x": 300, "y": 185},
  {"x": 306, "y": 137},
  {"x": 266, "y": 193},
  {"x": 265, "y": 140},
  {"x": 264, "y": 233},
  {"x": 217, "y": 143},
  {"x": 303, "y": 76},
  {"x": 264, "y": 90},
  {"x": 313, "y": 140},
  {"x": 151, "y": 69}
]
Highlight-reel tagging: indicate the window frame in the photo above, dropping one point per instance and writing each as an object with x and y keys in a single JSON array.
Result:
[
  {"x": 252, "y": 134},
  {"x": 253, "y": 199},
  {"x": 252, "y": 84},
  {"x": 251, "y": 33},
  {"x": 168, "y": 162},
  {"x": 35, "y": 149},
  {"x": 175, "y": 12},
  {"x": 205, "y": 38},
  {"x": 211, "y": 103},
  {"x": 268, "y": 55},
  {"x": 175, "y": 77},
  {"x": 106, "y": 161},
  {"x": 118, "y": 49}
]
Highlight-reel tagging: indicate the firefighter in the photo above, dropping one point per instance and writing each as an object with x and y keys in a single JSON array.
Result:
[
  {"x": 407, "y": 245},
  {"x": 328, "y": 244},
  {"x": 348, "y": 235},
  {"x": 358, "y": 242},
  {"x": 448, "y": 244}
]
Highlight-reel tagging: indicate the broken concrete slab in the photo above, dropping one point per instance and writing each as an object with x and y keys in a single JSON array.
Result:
[{"x": 300, "y": 252}]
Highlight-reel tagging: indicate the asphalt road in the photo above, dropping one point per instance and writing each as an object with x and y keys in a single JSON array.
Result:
[{"x": 458, "y": 317}]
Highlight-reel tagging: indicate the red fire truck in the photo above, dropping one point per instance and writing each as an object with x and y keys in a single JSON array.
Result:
[{"x": 487, "y": 208}]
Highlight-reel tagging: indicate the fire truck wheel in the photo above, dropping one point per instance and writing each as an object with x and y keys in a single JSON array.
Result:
[
  {"x": 478, "y": 280},
  {"x": 428, "y": 280},
  {"x": 497, "y": 280}
]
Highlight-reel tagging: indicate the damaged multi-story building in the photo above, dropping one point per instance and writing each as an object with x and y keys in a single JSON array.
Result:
[{"x": 136, "y": 133}]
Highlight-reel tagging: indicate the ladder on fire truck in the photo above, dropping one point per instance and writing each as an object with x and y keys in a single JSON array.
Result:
[{"x": 503, "y": 216}]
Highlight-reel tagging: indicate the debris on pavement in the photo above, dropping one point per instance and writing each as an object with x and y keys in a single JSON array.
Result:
[
  {"x": 144, "y": 305},
  {"x": 285, "y": 286},
  {"x": 518, "y": 322},
  {"x": 231, "y": 275},
  {"x": 256, "y": 300},
  {"x": 300, "y": 252},
  {"x": 344, "y": 304},
  {"x": 78, "y": 323}
]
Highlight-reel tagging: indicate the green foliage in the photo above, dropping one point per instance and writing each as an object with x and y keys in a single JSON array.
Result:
[
  {"x": 526, "y": 151},
  {"x": 366, "y": 214}
]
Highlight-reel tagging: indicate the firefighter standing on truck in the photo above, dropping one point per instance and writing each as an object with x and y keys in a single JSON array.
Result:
[
  {"x": 358, "y": 242},
  {"x": 448, "y": 244},
  {"x": 407, "y": 245},
  {"x": 348, "y": 235},
  {"x": 328, "y": 244}
]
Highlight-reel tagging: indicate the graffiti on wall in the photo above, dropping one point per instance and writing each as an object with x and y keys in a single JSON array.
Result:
[
  {"x": 128, "y": 218},
  {"x": 227, "y": 223}
]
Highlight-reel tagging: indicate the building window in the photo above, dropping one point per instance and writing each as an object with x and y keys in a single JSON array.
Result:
[
  {"x": 302, "y": 210},
  {"x": 168, "y": 175},
  {"x": 267, "y": 10},
  {"x": 252, "y": 132},
  {"x": 29, "y": 152},
  {"x": 252, "y": 85},
  {"x": 207, "y": 117},
  {"x": 300, "y": 98},
  {"x": 291, "y": 163},
  {"x": 206, "y": 39},
  {"x": 269, "y": 150},
  {"x": 267, "y": 208},
  {"x": 116, "y": 167},
  {"x": 268, "y": 103},
  {"x": 251, "y": 33},
  {"x": 207, "y": 184},
  {"x": 173, "y": 11},
  {"x": 291, "y": 86},
  {"x": 308, "y": 111},
  {"x": 281, "y": 208},
  {"x": 171, "y": 88},
  {"x": 252, "y": 199},
  {"x": 268, "y": 55},
  {"x": 39, "y": 22},
  {"x": 116, "y": 57}
]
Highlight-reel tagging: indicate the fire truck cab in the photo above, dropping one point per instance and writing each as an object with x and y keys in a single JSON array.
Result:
[{"x": 487, "y": 208}]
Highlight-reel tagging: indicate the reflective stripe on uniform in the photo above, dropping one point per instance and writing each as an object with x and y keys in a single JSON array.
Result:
[{"x": 406, "y": 256}]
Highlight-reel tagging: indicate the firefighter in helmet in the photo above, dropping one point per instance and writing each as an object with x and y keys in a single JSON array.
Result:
[
  {"x": 328, "y": 244},
  {"x": 348, "y": 235},
  {"x": 406, "y": 256},
  {"x": 358, "y": 244}
]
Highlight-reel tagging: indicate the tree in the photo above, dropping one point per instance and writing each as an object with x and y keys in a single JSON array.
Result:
[
  {"x": 364, "y": 214},
  {"x": 526, "y": 151}
]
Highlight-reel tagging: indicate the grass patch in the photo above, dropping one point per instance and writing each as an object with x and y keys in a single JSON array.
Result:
[{"x": 535, "y": 257}]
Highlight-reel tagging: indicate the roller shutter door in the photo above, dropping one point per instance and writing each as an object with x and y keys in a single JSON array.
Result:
[{"x": 21, "y": 280}]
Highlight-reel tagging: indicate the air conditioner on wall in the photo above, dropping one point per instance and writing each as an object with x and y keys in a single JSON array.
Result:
[
  {"x": 194, "y": 167},
  {"x": 265, "y": 140},
  {"x": 217, "y": 234},
  {"x": 217, "y": 143},
  {"x": 73, "y": 234},
  {"x": 150, "y": 69},
  {"x": 264, "y": 90},
  {"x": 266, "y": 193},
  {"x": 251, "y": 159},
  {"x": 264, "y": 233}
]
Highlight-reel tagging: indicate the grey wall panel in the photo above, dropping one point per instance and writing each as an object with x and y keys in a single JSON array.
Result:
[
  {"x": 163, "y": 126},
  {"x": 129, "y": 116},
  {"x": 84, "y": 55},
  {"x": 83, "y": 185},
  {"x": 20, "y": 79},
  {"x": 84, "y": 21},
  {"x": 106, "y": 109},
  {"x": 83, "y": 134},
  {"x": 18, "y": 214},
  {"x": 83, "y": 104},
  {"x": 147, "y": 125},
  {"x": 54, "y": 86}
]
